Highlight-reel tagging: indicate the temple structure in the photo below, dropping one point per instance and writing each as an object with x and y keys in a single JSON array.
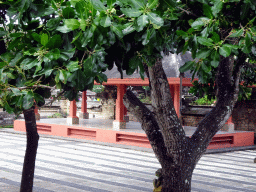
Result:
[{"x": 171, "y": 65}]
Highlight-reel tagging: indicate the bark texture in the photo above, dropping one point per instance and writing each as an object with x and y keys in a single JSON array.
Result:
[
  {"x": 178, "y": 154},
  {"x": 31, "y": 150}
]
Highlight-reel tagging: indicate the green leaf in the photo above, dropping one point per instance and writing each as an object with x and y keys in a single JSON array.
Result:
[
  {"x": 149, "y": 34},
  {"x": 215, "y": 37},
  {"x": 54, "y": 42},
  {"x": 105, "y": 21},
  {"x": 8, "y": 108},
  {"x": 155, "y": 19},
  {"x": 63, "y": 29},
  {"x": 29, "y": 63},
  {"x": 83, "y": 24},
  {"x": 66, "y": 55},
  {"x": 244, "y": 10},
  {"x": 68, "y": 13},
  {"x": 53, "y": 54},
  {"x": 215, "y": 59},
  {"x": 3, "y": 33},
  {"x": 28, "y": 100},
  {"x": 217, "y": 7},
  {"x": 117, "y": 30},
  {"x": 205, "y": 67},
  {"x": 139, "y": 4},
  {"x": 207, "y": 11},
  {"x": 200, "y": 22},
  {"x": 128, "y": 30},
  {"x": 52, "y": 24},
  {"x": 141, "y": 70},
  {"x": 142, "y": 21},
  {"x": 187, "y": 66},
  {"x": 134, "y": 62},
  {"x": 225, "y": 50},
  {"x": 72, "y": 24},
  {"x": 16, "y": 59},
  {"x": 98, "y": 5},
  {"x": 131, "y": 12},
  {"x": 203, "y": 53},
  {"x": 205, "y": 41},
  {"x": 44, "y": 39},
  {"x": 14, "y": 44},
  {"x": 181, "y": 33},
  {"x": 73, "y": 66},
  {"x": 238, "y": 33},
  {"x": 152, "y": 4},
  {"x": 15, "y": 34},
  {"x": 63, "y": 76},
  {"x": 48, "y": 72},
  {"x": 110, "y": 3},
  {"x": 102, "y": 77}
]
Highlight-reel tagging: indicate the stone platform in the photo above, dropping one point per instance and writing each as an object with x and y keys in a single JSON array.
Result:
[{"x": 102, "y": 130}]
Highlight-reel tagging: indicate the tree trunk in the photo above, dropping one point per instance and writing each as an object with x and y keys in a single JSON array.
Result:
[
  {"x": 175, "y": 181},
  {"x": 30, "y": 155}
]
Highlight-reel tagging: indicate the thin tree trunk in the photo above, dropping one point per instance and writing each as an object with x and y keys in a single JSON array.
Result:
[{"x": 30, "y": 155}]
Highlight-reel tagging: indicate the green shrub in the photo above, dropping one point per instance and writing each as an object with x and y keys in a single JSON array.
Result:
[
  {"x": 204, "y": 101},
  {"x": 6, "y": 126},
  {"x": 56, "y": 115}
]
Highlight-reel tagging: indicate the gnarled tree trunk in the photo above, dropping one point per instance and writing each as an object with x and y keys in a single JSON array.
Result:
[
  {"x": 30, "y": 155},
  {"x": 177, "y": 153}
]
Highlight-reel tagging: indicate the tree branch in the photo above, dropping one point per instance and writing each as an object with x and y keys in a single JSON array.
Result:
[
  {"x": 148, "y": 124},
  {"x": 50, "y": 103},
  {"x": 169, "y": 124},
  {"x": 228, "y": 88}
]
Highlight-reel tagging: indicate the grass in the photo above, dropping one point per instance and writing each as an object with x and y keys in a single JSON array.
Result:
[{"x": 6, "y": 126}]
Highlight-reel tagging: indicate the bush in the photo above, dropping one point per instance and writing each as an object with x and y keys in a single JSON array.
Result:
[
  {"x": 203, "y": 101},
  {"x": 56, "y": 115}
]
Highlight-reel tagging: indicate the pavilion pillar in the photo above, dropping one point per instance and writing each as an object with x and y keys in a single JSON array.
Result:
[
  {"x": 119, "y": 122},
  {"x": 84, "y": 114},
  {"x": 72, "y": 118},
  {"x": 172, "y": 91},
  {"x": 176, "y": 99},
  {"x": 175, "y": 93},
  {"x": 37, "y": 113},
  {"x": 229, "y": 125},
  {"x": 126, "y": 116}
]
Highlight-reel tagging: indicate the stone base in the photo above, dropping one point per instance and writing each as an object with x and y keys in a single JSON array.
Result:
[
  {"x": 228, "y": 127},
  {"x": 126, "y": 118},
  {"x": 72, "y": 120},
  {"x": 117, "y": 125},
  {"x": 84, "y": 115},
  {"x": 37, "y": 116}
]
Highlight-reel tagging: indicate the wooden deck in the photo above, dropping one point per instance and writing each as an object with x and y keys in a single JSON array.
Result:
[{"x": 101, "y": 130}]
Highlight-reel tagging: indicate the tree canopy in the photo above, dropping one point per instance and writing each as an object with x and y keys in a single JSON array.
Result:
[{"x": 68, "y": 44}]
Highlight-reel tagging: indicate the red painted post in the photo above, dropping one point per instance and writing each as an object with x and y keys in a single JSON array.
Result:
[
  {"x": 119, "y": 123},
  {"x": 126, "y": 116},
  {"x": 172, "y": 91},
  {"x": 177, "y": 99},
  {"x": 37, "y": 113},
  {"x": 72, "y": 118},
  {"x": 84, "y": 114},
  {"x": 229, "y": 125}
]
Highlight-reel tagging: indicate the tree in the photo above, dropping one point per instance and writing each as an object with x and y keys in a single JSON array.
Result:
[{"x": 68, "y": 44}]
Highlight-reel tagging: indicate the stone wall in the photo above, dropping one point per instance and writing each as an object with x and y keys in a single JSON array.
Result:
[
  {"x": 191, "y": 120},
  {"x": 244, "y": 116},
  {"x": 192, "y": 115},
  {"x": 6, "y": 118}
]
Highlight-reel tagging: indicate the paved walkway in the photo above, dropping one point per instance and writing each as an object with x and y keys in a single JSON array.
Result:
[{"x": 74, "y": 166}]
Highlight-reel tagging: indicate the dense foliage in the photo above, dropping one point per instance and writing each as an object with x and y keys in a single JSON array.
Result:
[{"x": 68, "y": 44}]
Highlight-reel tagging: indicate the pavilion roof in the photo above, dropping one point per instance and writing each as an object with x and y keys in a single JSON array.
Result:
[{"x": 171, "y": 65}]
